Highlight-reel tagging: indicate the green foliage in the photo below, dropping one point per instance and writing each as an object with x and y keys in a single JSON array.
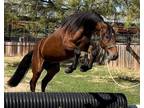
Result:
[
  {"x": 133, "y": 10},
  {"x": 47, "y": 15}
]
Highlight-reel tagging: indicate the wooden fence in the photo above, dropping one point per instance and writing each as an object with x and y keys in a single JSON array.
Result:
[
  {"x": 17, "y": 48},
  {"x": 125, "y": 59}
]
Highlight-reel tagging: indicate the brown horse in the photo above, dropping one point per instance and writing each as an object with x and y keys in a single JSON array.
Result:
[{"x": 67, "y": 41}]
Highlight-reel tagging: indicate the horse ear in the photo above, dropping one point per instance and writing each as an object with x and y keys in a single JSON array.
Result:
[{"x": 101, "y": 25}]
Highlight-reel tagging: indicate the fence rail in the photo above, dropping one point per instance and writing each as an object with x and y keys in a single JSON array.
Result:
[
  {"x": 17, "y": 48},
  {"x": 125, "y": 59}
]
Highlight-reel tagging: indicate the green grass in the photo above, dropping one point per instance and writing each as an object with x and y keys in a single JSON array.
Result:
[{"x": 95, "y": 80}]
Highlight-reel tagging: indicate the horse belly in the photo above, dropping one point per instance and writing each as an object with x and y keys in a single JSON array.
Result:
[{"x": 58, "y": 56}]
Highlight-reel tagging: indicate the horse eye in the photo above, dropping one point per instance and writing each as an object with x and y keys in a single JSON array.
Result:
[{"x": 107, "y": 37}]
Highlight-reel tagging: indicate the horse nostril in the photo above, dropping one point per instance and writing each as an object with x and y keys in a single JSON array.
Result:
[{"x": 115, "y": 56}]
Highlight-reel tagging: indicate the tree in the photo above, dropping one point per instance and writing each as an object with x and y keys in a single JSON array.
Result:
[{"x": 48, "y": 13}]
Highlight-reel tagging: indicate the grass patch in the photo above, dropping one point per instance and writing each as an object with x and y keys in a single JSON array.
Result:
[{"x": 95, "y": 80}]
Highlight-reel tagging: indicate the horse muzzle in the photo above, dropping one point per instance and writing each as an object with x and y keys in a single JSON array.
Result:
[{"x": 112, "y": 56}]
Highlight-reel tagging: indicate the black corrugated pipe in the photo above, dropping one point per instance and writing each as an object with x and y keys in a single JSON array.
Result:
[{"x": 64, "y": 100}]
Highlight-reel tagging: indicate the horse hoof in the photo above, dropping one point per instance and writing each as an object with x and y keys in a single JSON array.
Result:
[
  {"x": 84, "y": 68},
  {"x": 68, "y": 70}
]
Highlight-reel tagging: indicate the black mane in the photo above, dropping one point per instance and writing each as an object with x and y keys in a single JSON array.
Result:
[
  {"x": 110, "y": 30},
  {"x": 82, "y": 19}
]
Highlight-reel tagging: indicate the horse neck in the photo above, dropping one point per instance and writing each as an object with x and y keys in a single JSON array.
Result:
[
  {"x": 74, "y": 35},
  {"x": 61, "y": 32},
  {"x": 58, "y": 32}
]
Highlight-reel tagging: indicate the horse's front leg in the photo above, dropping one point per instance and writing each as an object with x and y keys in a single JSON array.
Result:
[
  {"x": 75, "y": 61},
  {"x": 89, "y": 59}
]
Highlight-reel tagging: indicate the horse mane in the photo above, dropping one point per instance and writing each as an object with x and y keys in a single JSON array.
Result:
[
  {"x": 110, "y": 30},
  {"x": 77, "y": 20}
]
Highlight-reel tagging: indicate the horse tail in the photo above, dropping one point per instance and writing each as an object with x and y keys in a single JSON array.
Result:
[{"x": 21, "y": 70}]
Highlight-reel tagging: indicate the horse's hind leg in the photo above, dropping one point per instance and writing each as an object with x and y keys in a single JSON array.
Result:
[
  {"x": 52, "y": 69},
  {"x": 37, "y": 68},
  {"x": 34, "y": 80}
]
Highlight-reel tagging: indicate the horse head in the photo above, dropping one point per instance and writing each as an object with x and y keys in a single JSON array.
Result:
[{"x": 107, "y": 39}]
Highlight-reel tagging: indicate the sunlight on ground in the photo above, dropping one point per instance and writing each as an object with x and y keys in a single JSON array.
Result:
[{"x": 95, "y": 80}]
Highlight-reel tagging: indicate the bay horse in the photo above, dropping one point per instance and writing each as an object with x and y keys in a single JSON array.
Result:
[{"x": 66, "y": 42}]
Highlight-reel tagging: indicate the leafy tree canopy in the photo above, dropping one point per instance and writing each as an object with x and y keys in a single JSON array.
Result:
[{"x": 45, "y": 15}]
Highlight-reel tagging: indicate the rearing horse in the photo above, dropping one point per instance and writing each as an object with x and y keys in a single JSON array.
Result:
[{"x": 67, "y": 41}]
